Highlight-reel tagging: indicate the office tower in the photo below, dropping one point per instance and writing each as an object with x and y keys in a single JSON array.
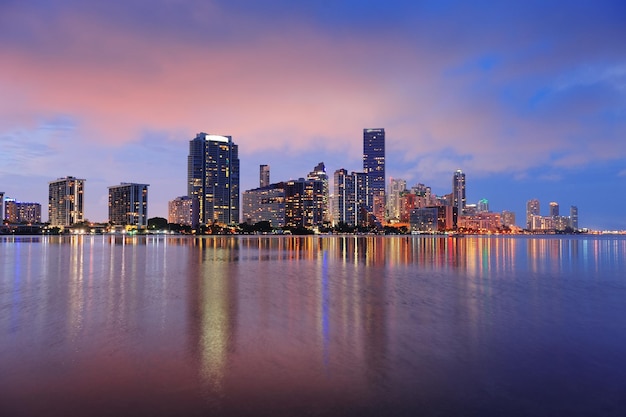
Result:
[
  {"x": 181, "y": 211},
  {"x": 396, "y": 188},
  {"x": 319, "y": 174},
  {"x": 66, "y": 201},
  {"x": 374, "y": 168},
  {"x": 554, "y": 209},
  {"x": 458, "y": 191},
  {"x": 128, "y": 204},
  {"x": 483, "y": 206},
  {"x": 304, "y": 203},
  {"x": 532, "y": 209},
  {"x": 573, "y": 215},
  {"x": 508, "y": 218},
  {"x": 264, "y": 176},
  {"x": 2, "y": 214},
  {"x": 213, "y": 178},
  {"x": 19, "y": 212},
  {"x": 265, "y": 204},
  {"x": 350, "y": 197}
]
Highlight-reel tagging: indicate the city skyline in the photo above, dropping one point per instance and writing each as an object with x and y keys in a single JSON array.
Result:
[{"x": 528, "y": 99}]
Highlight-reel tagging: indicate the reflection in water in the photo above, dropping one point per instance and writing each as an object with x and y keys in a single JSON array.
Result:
[{"x": 318, "y": 325}]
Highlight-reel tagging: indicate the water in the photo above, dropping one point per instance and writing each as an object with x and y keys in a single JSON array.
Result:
[{"x": 312, "y": 326}]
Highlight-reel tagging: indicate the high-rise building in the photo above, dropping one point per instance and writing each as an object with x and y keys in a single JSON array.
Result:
[
  {"x": 19, "y": 212},
  {"x": 265, "y": 204},
  {"x": 213, "y": 178},
  {"x": 66, "y": 201},
  {"x": 458, "y": 191},
  {"x": 181, "y": 211},
  {"x": 573, "y": 216},
  {"x": 508, "y": 218},
  {"x": 482, "y": 206},
  {"x": 397, "y": 186},
  {"x": 554, "y": 209},
  {"x": 350, "y": 197},
  {"x": 304, "y": 203},
  {"x": 128, "y": 204},
  {"x": 264, "y": 176},
  {"x": 2, "y": 216},
  {"x": 532, "y": 209},
  {"x": 319, "y": 174},
  {"x": 374, "y": 168}
]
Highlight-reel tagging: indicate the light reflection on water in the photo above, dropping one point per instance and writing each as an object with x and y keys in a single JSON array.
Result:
[{"x": 344, "y": 325}]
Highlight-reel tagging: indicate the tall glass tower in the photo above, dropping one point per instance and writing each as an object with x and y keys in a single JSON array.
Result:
[
  {"x": 213, "y": 178},
  {"x": 458, "y": 191},
  {"x": 374, "y": 168}
]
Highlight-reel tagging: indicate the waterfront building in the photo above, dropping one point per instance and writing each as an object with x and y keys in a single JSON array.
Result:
[
  {"x": 213, "y": 178},
  {"x": 433, "y": 219},
  {"x": 20, "y": 212},
  {"x": 482, "y": 206},
  {"x": 480, "y": 222},
  {"x": 128, "y": 204},
  {"x": 264, "y": 176},
  {"x": 2, "y": 215},
  {"x": 573, "y": 215},
  {"x": 532, "y": 210},
  {"x": 350, "y": 201},
  {"x": 66, "y": 201},
  {"x": 182, "y": 210},
  {"x": 508, "y": 218},
  {"x": 458, "y": 191},
  {"x": 408, "y": 202},
  {"x": 319, "y": 174},
  {"x": 397, "y": 187},
  {"x": 304, "y": 203},
  {"x": 374, "y": 168},
  {"x": 265, "y": 204},
  {"x": 554, "y": 209}
]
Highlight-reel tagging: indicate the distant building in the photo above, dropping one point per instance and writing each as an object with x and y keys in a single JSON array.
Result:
[
  {"x": 319, "y": 174},
  {"x": 532, "y": 209},
  {"x": 573, "y": 215},
  {"x": 554, "y": 209},
  {"x": 66, "y": 201},
  {"x": 128, "y": 204},
  {"x": 264, "y": 176},
  {"x": 508, "y": 218},
  {"x": 374, "y": 168},
  {"x": 304, "y": 203},
  {"x": 19, "y": 212},
  {"x": 433, "y": 219},
  {"x": 482, "y": 206},
  {"x": 2, "y": 215},
  {"x": 458, "y": 191},
  {"x": 350, "y": 197},
  {"x": 480, "y": 222},
  {"x": 213, "y": 178},
  {"x": 181, "y": 211},
  {"x": 397, "y": 187},
  {"x": 265, "y": 204}
]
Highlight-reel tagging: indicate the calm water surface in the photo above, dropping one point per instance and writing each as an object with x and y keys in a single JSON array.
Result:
[{"x": 319, "y": 326}]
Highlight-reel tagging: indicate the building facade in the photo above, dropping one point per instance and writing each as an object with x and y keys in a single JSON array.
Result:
[
  {"x": 66, "y": 201},
  {"x": 2, "y": 215},
  {"x": 397, "y": 187},
  {"x": 265, "y": 204},
  {"x": 19, "y": 212},
  {"x": 554, "y": 209},
  {"x": 573, "y": 215},
  {"x": 374, "y": 168},
  {"x": 458, "y": 191},
  {"x": 128, "y": 204},
  {"x": 532, "y": 210},
  {"x": 213, "y": 178},
  {"x": 508, "y": 219},
  {"x": 181, "y": 211},
  {"x": 350, "y": 197},
  {"x": 264, "y": 176}
]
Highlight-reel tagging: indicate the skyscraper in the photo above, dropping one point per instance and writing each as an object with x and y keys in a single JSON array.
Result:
[
  {"x": 213, "y": 178},
  {"x": 319, "y": 174},
  {"x": 264, "y": 176},
  {"x": 554, "y": 209},
  {"x": 181, "y": 211},
  {"x": 458, "y": 191},
  {"x": 532, "y": 209},
  {"x": 397, "y": 186},
  {"x": 128, "y": 204},
  {"x": 66, "y": 201},
  {"x": 350, "y": 197},
  {"x": 573, "y": 216},
  {"x": 2, "y": 214},
  {"x": 374, "y": 168}
]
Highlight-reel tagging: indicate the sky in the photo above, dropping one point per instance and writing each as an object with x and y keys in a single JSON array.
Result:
[{"x": 528, "y": 98}]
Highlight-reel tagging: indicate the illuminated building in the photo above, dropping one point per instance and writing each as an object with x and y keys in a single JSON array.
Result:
[
  {"x": 264, "y": 176},
  {"x": 433, "y": 219},
  {"x": 304, "y": 203},
  {"x": 532, "y": 209},
  {"x": 319, "y": 174},
  {"x": 2, "y": 215},
  {"x": 19, "y": 212},
  {"x": 265, "y": 204},
  {"x": 350, "y": 197},
  {"x": 128, "y": 204},
  {"x": 554, "y": 209},
  {"x": 181, "y": 211},
  {"x": 213, "y": 178},
  {"x": 483, "y": 206},
  {"x": 458, "y": 191},
  {"x": 396, "y": 188},
  {"x": 66, "y": 201},
  {"x": 573, "y": 216},
  {"x": 374, "y": 168},
  {"x": 508, "y": 218},
  {"x": 480, "y": 222}
]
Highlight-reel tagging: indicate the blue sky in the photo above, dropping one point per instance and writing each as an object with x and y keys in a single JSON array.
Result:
[{"x": 528, "y": 98}]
